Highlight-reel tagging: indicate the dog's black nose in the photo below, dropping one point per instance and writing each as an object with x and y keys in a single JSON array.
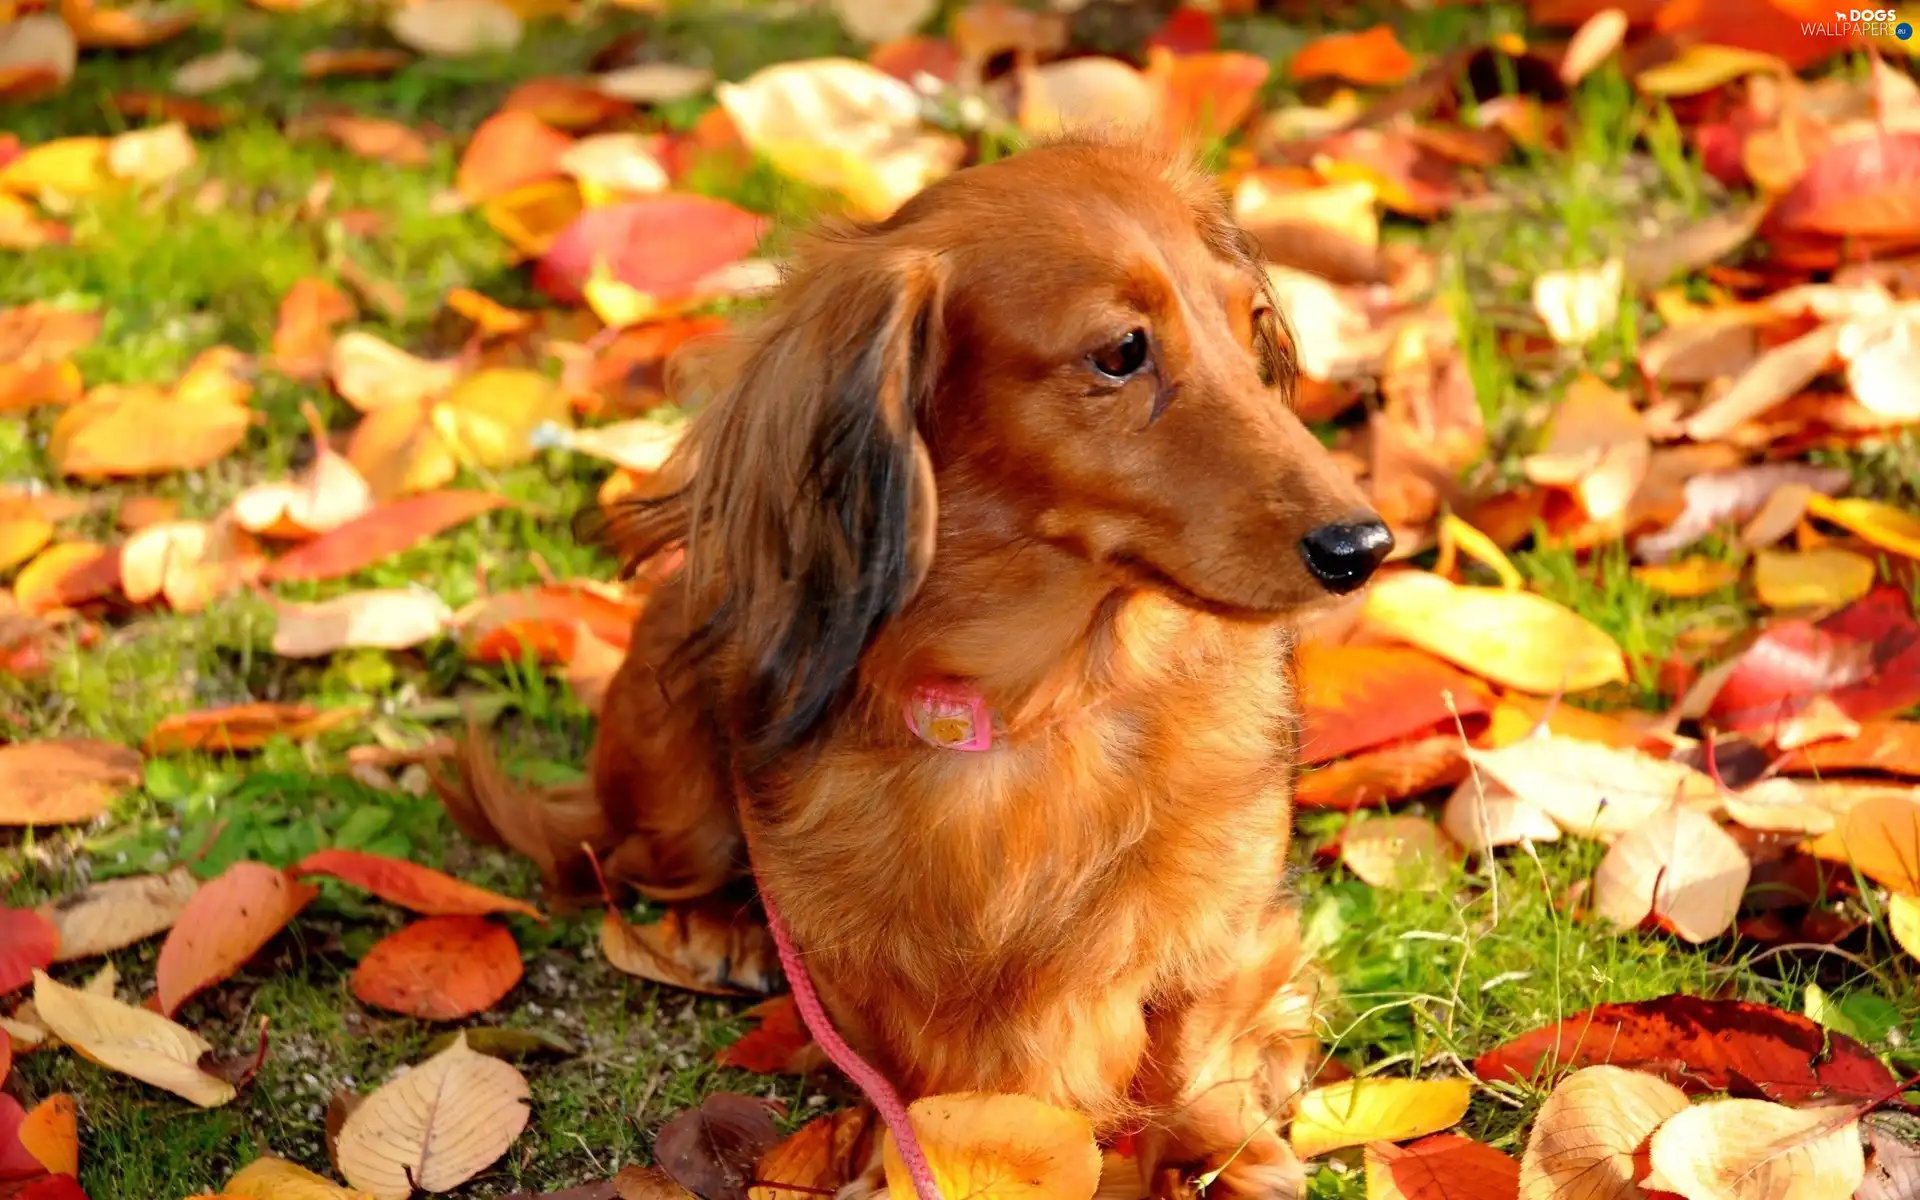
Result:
[{"x": 1343, "y": 556}]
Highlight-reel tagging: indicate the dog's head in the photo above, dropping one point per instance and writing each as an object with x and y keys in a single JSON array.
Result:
[{"x": 1076, "y": 336}]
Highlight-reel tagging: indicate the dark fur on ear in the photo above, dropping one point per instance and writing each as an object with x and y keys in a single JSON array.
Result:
[{"x": 803, "y": 492}]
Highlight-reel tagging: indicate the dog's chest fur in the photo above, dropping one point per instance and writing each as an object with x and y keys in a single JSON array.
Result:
[{"x": 1050, "y": 889}]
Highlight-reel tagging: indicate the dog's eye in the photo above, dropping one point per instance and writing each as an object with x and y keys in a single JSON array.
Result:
[{"x": 1124, "y": 358}]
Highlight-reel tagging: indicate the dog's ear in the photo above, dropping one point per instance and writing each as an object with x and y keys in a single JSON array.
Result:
[{"x": 811, "y": 508}]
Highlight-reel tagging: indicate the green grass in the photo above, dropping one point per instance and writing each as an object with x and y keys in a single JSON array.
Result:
[{"x": 1426, "y": 980}]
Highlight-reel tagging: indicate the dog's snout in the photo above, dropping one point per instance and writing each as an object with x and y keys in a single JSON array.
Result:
[{"x": 1342, "y": 556}]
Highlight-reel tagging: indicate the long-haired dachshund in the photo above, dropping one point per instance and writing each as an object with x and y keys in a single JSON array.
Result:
[{"x": 993, "y": 526}]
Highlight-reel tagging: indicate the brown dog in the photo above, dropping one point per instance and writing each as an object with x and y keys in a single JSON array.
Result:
[{"x": 1015, "y": 466}]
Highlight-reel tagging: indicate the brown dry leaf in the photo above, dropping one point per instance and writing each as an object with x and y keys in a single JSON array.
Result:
[
  {"x": 323, "y": 64},
  {"x": 844, "y": 125},
  {"x": 245, "y": 726},
  {"x": 1399, "y": 852},
  {"x": 372, "y": 138},
  {"x": 456, "y": 28},
  {"x": 1593, "y": 790},
  {"x": 1597, "y": 446},
  {"x": 1006, "y": 1147},
  {"x": 883, "y": 20},
  {"x": 1728, "y": 496},
  {"x": 1778, "y": 375},
  {"x": 1825, "y": 577},
  {"x": 1481, "y": 815},
  {"x": 710, "y": 947},
  {"x": 1585, "y": 1136},
  {"x": 1516, "y": 639},
  {"x": 64, "y": 781},
  {"x": 1781, "y": 805},
  {"x": 115, "y": 913},
  {"x": 1679, "y": 867},
  {"x": 386, "y": 619},
  {"x": 38, "y": 54},
  {"x": 712, "y": 1148},
  {"x": 654, "y": 82},
  {"x": 435, "y": 1126},
  {"x": 132, "y": 1041},
  {"x": 1758, "y": 1150}
]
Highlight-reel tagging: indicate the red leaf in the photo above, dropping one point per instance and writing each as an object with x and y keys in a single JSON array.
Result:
[
  {"x": 1208, "y": 94},
  {"x": 1187, "y": 31},
  {"x": 779, "y": 1045},
  {"x": 1447, "y": 1166},
  {"x": 1763, "y": 25},
  {"x": 16, "y": 1161},
  {"x": 544, "y": 620},
  {"x": 380, "y": 534},
  {"x": 6, "y": 1055},
  {"x": 439, "y": 969},
  {"x": 1868, "y": 187},
  {"x": 27, "y": 940},
  {"x": 1865, "y": 658},
  {"x": 410, "y": 885},
  {"x": 658, "y": 245},
  {"x": 904, "y": 58},
  {"x": 1703, "y": 1046},
  {"x": 226, "y": 923},
  {"x": 51, "y": 1187},
  {"x": 1356, "y": 697},
  {"x": 509, "y": 150}
]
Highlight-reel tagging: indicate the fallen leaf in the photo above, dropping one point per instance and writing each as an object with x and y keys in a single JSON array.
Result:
[
  {"x": 372, "y": 375},
  {"x": 1353, "y": 697},
  {"x": 324, "y": 64},
  {"x": 66, "y": 574},
  {"x": 41, "y": 332},
  {"x": 16, "y": 1161},
  {"x": 1892, "y": 747},
  {"x": 1825, "y": 577},
  {"x": 510, "y": 1044},
  {"x": 1882, "y": 525},
  {"x": 1702, "y": 67},
  {"x": 1863, "y": 188},
  {"x": 1781, "y": 805},
  {"x": 137, "y": 430},
  {"x": 212, "y": 72},
  {"x": 709, "y": 947},
  {"x": 655, "y": 82},
  {"x": 1593, "y": 44},
  {"x": 1385, "y": 773},
  {"x": 1678, "y": 867},
  {"x": 21, "y": 538},
  {"x": 1597, "y": 447},
  {"x": 1585, "y": 1136},
  {"x": 1754, "y": 1150},
  {"x": 509, "y": 150},
  {"x": 1689, "y": 577},
  {"x": 485, "y": 421},
  {"x": 278, "y": 1179},
  {"x": 1903, "y": 922},
  {"x": 1882, "y": 354},
  {"x": 435, "y": 1126},
  {"x": 439, "y": 969},
  {"x": 1730, "y": 496},
  {"x": 779, "y": 1044},
  {"x": 244, "y": 726},
  {"x": 455, "y": 28},
  {"x": 818, "y": 1159},
  {"x": 131, "y": 1041},
  {"x": 1481, "y": 815},
  {"x": 63, "y": 781},
  {"x": 1893, "y": 1166},
  {"x": 303, "y": 335},
  {"x": 1374, "y": 58},
  {"x": 1702, "y": 1046},
  {"x": 326, "y": 495},
  {"x": 712, "y": 1149},
  {"x": 1357, "y": 1111},
  {"x": 1864, "y": 658},
  {"x": 151, "y": 155},
  {"x": 188, "y": 563},
  {"x": 1205, "y": 95},
  {"x": 1879, "y": 837},
  {"x": 51, "y": 1134},
  {"x": 115, "y": 913},
  {"x": 374, "y": 138},
  {"x": 225, "y": 923},
  {"x": 611, "y": 167},
  {"x": 380, "y": 534},
  {"x": 1398, "y": 852},
  {"x": 30, "y": 943},
  {"x": 386, "y": 619},
  {"x": 68, "y": 167},
  {"x": 1445, "y": 1166},
  {"x": 1591, "y": 789},
  {"x": 979, "y": 1144},
  {"x": 413, "y": 887},
  {"x": 883, "y": 20},
  {"x": 1578, "y": 305},
  {"x": 1516, "y": 639},
  {"x": 1081, "y": 93},
  {"x": 840, "y": 124},
  {"x": 38, "y": 54},
  {"x": 660, "y": 246},
  {"x": 1777, "y": 375}
]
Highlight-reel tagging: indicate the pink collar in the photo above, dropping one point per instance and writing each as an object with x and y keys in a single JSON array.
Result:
[{"x": 950, "y": 716}]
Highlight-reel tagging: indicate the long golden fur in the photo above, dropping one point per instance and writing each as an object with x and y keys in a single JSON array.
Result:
[{"x": 909, "y": 469}]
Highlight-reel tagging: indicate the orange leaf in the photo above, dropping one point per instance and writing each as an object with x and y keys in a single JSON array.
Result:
[
  {"x": 1356, "y": 696},
  {"x": 494, "y": 318},
  {"x": 817, "y": 1160},
  {"x": 322, "y": 64},
  {"x": 27, "y": 941},
  {"x": 1889, "y": 746},
  {"x": 21, "y": 538},
  {"x": 502, "y": 628},
  {"x": 1385, "y": 773},
  {"x": 1207, "y": 95},
  {"x": 439, "y": 969},
  {"x": 24, "y": 386},
  {"x": 226, "y": 923},
  {"x": 779, "y": 1045},
  {"x": 1374, "y": 58},
  {"x": 1868, "y": 187},
  {"x": 67, "y": 574},
  {"x": 508, "y": 151},
  {"x": 244, "y": 726},
  {"x": 121, "y": 29},
  {"x": 568, "y": 104},
  {"x": 1766, "y": 26},
  {"x": 304, "y": 335},
  {"x": 373, "y": 138},
  {"x": 411, "y": 886},
  {"x": 1445, "y": 1166},
  {"x": 384, "y": 532},
  {"x": 39, "y": 332},
  {"x": 63, "y": 781},
  {"x": 138, "y": 430},
  {"x": 51, "y": 1133}
]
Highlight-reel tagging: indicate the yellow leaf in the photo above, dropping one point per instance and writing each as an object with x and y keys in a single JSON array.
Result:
[
  {"x": 21, "y": 538},
  {"x": 1517, "y": 639},
  {"x": 1903, "y": 921},
  {"x": 1702, "y": 67},
  {"x": 1577, "y": 305},
  {"x": 532, "y": 215},
  {"x": 1689, "y": 576},
  {"x": 66, "y": 166},
  {"x": 132, "y": 1041},
  {"x": 1880, "y": 837},
  {"x": 999, "y": 1148},
  {"x": 1592, "y": 790},
  {"x": 152, "y": 155},
  {"x": 436, "y": 1126},
  {"x": 278, "y": 1179},
  {"x": 1825, "y": 577},
  {"x": 1458, "y": 537},
  {"x": 488, "y": 419},
  {"x": 1758, "y": 1150},
  {"x": 616, "y": 302},
  {"x": 1356, "y": 1111},
  {"x": 615, "y": 165},
  {"x": 140, "y": 431},
  {"x": 1883, "y": 525},
  {"x": 1585, "y": 1135},
  {"x": 1680, "y": 867}
]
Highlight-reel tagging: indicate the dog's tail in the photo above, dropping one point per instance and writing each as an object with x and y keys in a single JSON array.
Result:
[{"x": 559, "y": 828}]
